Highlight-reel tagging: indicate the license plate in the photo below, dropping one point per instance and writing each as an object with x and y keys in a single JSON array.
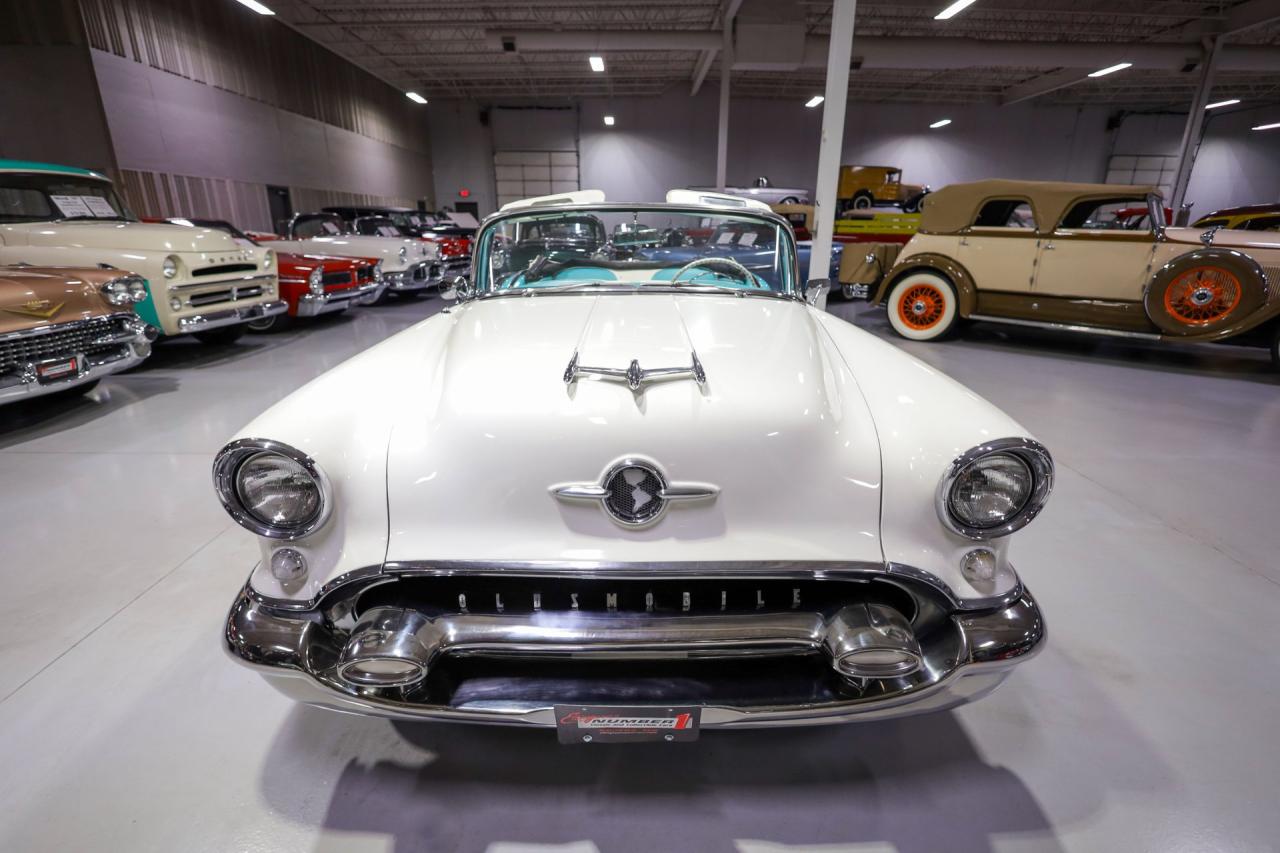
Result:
[
  {"x": 51, "y": 371},
  {"x": 625, "y": 723}
]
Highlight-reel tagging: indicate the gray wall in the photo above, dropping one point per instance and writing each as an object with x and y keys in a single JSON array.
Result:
[{"x": 660, "y": 143}]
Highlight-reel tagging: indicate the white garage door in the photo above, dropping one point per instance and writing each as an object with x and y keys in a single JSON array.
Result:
[
  {"x": 521, "y": 174},
  {"x": 1157, "y": 169}
]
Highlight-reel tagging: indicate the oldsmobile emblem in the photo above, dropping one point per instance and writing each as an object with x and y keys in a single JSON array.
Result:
[
  {"x": 41, "y": 309},
  {"x": 634, "y": 492}
]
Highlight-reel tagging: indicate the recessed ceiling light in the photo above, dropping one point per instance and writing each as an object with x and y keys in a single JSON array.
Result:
[
  {"x": 954, "y": 9},
  {"x": 814, "y": 101},
  {"x": 1119, "y": 66},
  {"x": 1217, "y": 104},
  {"x": 940, "y": 123},
  {"x": 608, "y": 121},
  {"x": 1268, "y": 126},
  {"x": 415, "y": 97},
  {"x": 256, "y": 6},
  {"x": 597, "y": 63}
]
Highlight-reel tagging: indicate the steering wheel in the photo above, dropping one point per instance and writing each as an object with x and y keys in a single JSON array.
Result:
[{"x": 728, "y": 264}]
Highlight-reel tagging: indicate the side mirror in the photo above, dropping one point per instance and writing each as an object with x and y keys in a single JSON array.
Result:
[
  {"x": 815, "y": 292},
  {"x": 458, "y": 288}
]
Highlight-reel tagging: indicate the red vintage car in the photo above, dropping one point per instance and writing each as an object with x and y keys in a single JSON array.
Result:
[{"x": 310, "y": 284}]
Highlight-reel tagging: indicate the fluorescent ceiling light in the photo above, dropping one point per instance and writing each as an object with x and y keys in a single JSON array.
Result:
[
  {"x": 941, "y": 123},
  {"x": 415, "y": 97},
  {"x": 256, "y": 6},
  {"x": 597, "y": 63},
  {"x": 1268, "y": 126},
  {"x": 954, "y": 9},
  {"x": 1217, "y": 104},
  {"x": 1119, "y": 66},
  {"x": 608, "y": 121},
  {"x": 814, "y": 101}
]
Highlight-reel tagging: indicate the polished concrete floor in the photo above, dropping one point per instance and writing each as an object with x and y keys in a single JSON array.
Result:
[{"x": 1151, "y": 722}]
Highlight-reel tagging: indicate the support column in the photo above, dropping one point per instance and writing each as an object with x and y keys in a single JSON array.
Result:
[
  {"x": 1195, "y": 124},
  {"x": 839, "y": 55},
  {"x": 722, "y": 137}
]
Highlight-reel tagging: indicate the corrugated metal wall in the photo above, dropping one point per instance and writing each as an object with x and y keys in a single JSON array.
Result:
[{"x": 227, "y": 46}]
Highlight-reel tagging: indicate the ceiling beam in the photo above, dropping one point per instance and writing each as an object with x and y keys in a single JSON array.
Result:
[
  {"x": 1043, "y": 85},
  {"x": 1250, "y": 15},
  {"x": 708, "y": 57}
]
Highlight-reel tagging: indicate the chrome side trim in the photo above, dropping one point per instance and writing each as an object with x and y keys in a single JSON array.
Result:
[
  {"x": 226, "y": 467},
  {"x": 1032, "y": 453},
  {"x": 1068, "y": 327}
]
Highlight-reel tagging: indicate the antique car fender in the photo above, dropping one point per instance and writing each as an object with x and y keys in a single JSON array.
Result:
[
  {"x": 1232, "y": 284},
  {"x": 966, "y": 290},
  {"x": 342, "y": 421},
  {"x": 924, "y": 421}
]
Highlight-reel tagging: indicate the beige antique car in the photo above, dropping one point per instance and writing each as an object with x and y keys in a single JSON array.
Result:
[
  {"x": 64, "y": 328},
  {"x": 1055, "y": 255}
]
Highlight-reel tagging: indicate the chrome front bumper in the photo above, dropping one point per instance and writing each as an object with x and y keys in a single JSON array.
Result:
[
  {"x": 416, "y": 276},
  {"x": 231, "y": 316},
  {"x": 130, "y": 346},
  {"x": 784, "y": 658},
  {"x": 314, "y": 304}
]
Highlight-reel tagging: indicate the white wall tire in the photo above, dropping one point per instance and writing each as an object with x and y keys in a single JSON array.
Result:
[{"x": 922, "y": 306}]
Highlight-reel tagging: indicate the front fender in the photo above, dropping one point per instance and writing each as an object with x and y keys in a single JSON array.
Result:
[{"x": 966, "y": 290}]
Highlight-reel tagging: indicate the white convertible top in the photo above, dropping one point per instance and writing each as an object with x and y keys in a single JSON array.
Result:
[{"x": 700, "y": 198}]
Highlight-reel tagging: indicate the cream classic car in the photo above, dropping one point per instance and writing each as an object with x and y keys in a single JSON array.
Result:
[
  {"x": 408, "y": 264},
  {"x": 1059, "y": 255},
  {"x": 198, "y": 280},
  {"x": 631, "y": 497}
]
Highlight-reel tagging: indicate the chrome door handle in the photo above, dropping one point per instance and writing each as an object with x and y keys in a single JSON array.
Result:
[{"x": 1048, "y": 246}]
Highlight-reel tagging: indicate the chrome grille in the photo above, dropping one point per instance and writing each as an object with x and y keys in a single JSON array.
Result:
[
  {"x": 231, "y": 294},
  {"x": 65, "y": 340}
]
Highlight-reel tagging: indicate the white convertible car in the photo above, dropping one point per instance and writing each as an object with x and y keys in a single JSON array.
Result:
[{"x": 630, "y": 498}]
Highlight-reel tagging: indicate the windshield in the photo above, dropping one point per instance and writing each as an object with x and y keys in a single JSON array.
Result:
[
  {"x": 378, "y": 226},
  {"x": 51, "y": 197},
  {"x": 635, "y": 248},
  {"x": 318, "y": 225}
]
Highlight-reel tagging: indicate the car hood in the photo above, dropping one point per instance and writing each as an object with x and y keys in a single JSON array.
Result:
[
  {"x": 1232, "y": 238},
  {"x": 141, "y": 236},
  {"x": 483, "y": 434},
  {"x": 34, "y": 297}
]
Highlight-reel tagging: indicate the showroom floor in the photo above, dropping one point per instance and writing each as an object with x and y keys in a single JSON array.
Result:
[{"x": 1148, "y": 724}]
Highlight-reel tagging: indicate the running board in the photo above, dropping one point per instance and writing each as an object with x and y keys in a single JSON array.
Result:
[{"x": 1068, "y": 327}]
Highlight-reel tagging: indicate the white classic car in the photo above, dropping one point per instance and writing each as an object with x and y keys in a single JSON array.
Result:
[
  {"x": 630, "y": 497},
  {"x": 198, "y": 280},
  {"x": 763, "y": 190},
  {"x": 408, "y": 264}
]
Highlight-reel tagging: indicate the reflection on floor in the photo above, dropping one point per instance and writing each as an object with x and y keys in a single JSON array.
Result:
[{"x": 1147, "y": 724}]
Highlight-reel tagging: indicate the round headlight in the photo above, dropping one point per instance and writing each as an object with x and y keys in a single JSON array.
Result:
[
  {"x": 268, "y": 259},
  {"x": 315, "y": 281},
  {"x": 137, "y": 290},
  {"x": 169, "y": 267},
  {"x": 271, "y": 489},
  {"x": 116, "y": 291},
  {"x": 404, "y": 254},
  {"x": 995, "y": 488}
]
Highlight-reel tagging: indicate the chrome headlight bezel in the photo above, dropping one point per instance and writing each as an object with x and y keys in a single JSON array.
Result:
[
  {"x": 126, "y": 290},
  {"x": 268, "y": 259},
  {"x": 226, "y": 482},
  {"x": 315, "y": 281},
  {"x": 169, "y": 266},
  {"x": 1031, "y": 453},
  {"x": 377, "y": 271}
]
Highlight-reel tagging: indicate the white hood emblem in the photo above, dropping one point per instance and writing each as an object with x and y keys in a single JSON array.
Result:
[{"x": 634, "y": 492}]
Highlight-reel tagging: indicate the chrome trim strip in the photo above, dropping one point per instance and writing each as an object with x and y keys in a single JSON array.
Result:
[
  {"x": 1067, "y": 327},
  {"x": 231, "y": 316},
  {"x": 226, "y": 468},
  {"x": 1038, "y": 461},
  {"x": 634, "y": 375}
]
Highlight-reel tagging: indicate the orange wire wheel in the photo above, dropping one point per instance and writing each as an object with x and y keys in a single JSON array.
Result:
[
  {"x": 922, "y": 306},
  {"x": 1202, "y": 295}
]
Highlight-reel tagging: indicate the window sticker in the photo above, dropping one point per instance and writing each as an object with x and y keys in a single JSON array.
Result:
[
  {"x": 725, "y": 237},
  {"x": 100, "y": 206},
  {"x": 71, "y": 205},
  {"x": 748, "y": 238}
]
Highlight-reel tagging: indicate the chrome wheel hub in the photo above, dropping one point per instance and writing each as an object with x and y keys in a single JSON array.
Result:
[
  {"x": 1202, "y": 296},
  {"x": 918, "y": 307}
]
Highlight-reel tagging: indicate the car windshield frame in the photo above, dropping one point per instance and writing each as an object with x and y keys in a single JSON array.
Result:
[
  {"x": 39, "y": 182},
  {"x": 793, "y": 287}
]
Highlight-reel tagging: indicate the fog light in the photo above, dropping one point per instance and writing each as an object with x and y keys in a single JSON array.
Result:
[
  {"x": 979, "y": 566},
  {"x": 175, "y": 303},
  {"x": 382, "y": 672},
  {"x": 288, "y": 565}
]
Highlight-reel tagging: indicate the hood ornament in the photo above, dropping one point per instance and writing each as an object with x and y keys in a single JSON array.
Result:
[
  {"x": 634, "y": 493},
  {"x": 634, "y": 375},
  {"x": 42, "y": 309}
]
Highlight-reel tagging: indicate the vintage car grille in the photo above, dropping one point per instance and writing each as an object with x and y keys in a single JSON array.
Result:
[
  {"x": 224, "y": 269},
  {"x": 231, "y": 294},
  {"x": 336, "y": 279},
  {"x": 662, "y": 597},
  {"x": 70, "y": 338}
]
